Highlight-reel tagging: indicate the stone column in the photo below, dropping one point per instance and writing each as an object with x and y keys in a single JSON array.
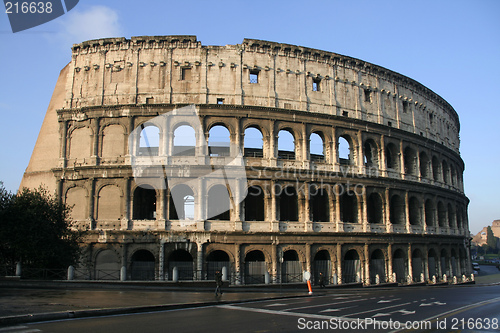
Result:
[
  {"x": 93, "y": 197},
  {"x": 339, "y": 263},
  {"x": 95, "y": 141},
  {"x": 367, "y": 265},
  {"x": 272, "y": 141},
  {"x": 161, "y": 261},
  {"x": 383, "y": 164},
  {"x": 199, "y": 261},
  {"x": 63, "y": 154},
  {"x": 127, "y": 212},
  {"x": 124, "y": 262},
  {"x": 339, "y": 226},
  {"x": 364, "y": 211},
  {"x": 275, "y": 259},
  {"x": 387, "y": 215},
  {"x": 410, "y": 266},
  {"x": 407, "y": 210},
  {"x": 389, "y": 262},
  {"x": 305, "y": 203},
  {"x": 305, "y": 140},
  {"x": 200, "y": 206},
  {"x": 308, "y": 258},
  {"x": 425, "y": 261},
  {"x": 237, "y": 264}
]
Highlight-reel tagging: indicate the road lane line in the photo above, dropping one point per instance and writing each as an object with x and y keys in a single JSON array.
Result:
[
  {"x": 325, "y": 304},
  {"x": 377, "y": 309}
]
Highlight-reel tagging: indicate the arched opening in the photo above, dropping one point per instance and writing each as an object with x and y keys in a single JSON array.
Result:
[
  {"x": 254, "y": 204},
  {"x": 181, "y": 205},
  {"x": 184, "y": 141},
  {"x": 377, "y": 267},
  {"x": 445, "y": 268},
  {"x": 435, "y": 168},
  {"x": 149, "y": 142},
  {"x": 344, "y": 150},
  {"x": 288, "y": 204},
  {"x": 459, "y": 217},
  {"x": 322, "y": 264},
  {"x": 320, "y": 207},
  {"x": 446, "y": 173},
  {"x": 371, "y": 154},
  {"x": 417, "y": 265},
  {"x": 351, "y": 267},
  {"x": 392, "y": 157},
  {"x": 453, "y": 175},
  {"x": 291, "y": 269},
  {"x": 415, "y": 211},
  {"x": 286, "y": 145},
  {"x": 217, "y": 260},
  {"x": 424, "y": 165},
  {"x": 183, "y": 260},
  {"x": 144, "y": 203},
  {"x": 374, "y": 208},
  {"x": 429, "y": 213},
  {"x": 113, "y": 141},
  {"x": 107, "y": 266},
  {"x": 317, "y": 147},
  {"x": 348, "y": 207},
  {"x": 253, "y": 142},
  {"x": 142, "y": 265},
  {"x": 399, "y": 265},
  {"x": 433, "y": 263},
  {"x": 255, "y": 267},
  {"x": 410, "y": 160},
  {"x": 452, "y": 218},
  {"x": 442, "y": 215},
  {"x": 219, "y": 141},
  {"x": 453, "y": 260},
  {"x": 397, "y": 210},
  {"x": 218, "y": 203}
]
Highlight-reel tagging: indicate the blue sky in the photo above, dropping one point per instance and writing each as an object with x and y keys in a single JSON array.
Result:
[{"x": 452, "y": 47}]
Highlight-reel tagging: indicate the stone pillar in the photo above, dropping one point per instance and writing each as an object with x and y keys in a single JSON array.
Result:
[
  {"x": 364, "y": 210},
  {"x": 305, "y": 204},
  {"x": 308, "y": 257},
  {"x": 95, "y": 141},
  {"x": 407, "y": 210},
  {"x": 387, "y": 210},
  {"x": 389, "y": 262},
  {"x": 383, "y": 164},
  {"x": 410, "y": 266},
  {"x": 402, "y": 161},
  {"x": 161, "y": 261},
  {"x": 93, "y": 197},
  {"x": 335, "y": 150},
  {"x": 274, "y": 213},
  {"x": 199, "y": 261},
  {"x": 235, "y": 146},
  {"x": 332, "y": 205},
  {"x": 367, "y": 265},
  {"x": 272, "y": 141},
  {"x": 274, "y": 263},
  {"x": 237, "y": 265},
  {"x": 305, "y": 145},
  {"x": 123, "y": 270},
  {"x": 200, "y": 199},
  {"x": 63, "y": 154},
  {"x": 339, "y": 263},
  {"x": 339, "y": 226}
]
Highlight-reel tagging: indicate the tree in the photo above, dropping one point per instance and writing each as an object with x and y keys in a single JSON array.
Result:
[
  {"x": 35, "y": 229},
  {"x": 490, "y": 238}
]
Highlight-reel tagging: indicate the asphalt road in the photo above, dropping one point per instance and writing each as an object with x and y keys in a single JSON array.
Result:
[{"x": 460, "y": 308}]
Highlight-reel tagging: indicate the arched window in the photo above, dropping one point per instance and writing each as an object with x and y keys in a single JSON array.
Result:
[
  {"x": 219, "y": 141},
  {"x": 351, "y": 267},
  {"x": 254, "y": 204},
  {"x": 374, "y": 208},
  {"x": 399, "y": 265},
  {"x": 149, "y": 143},
  {"x": 414, "y": 211},
  {"x": 446, "y": 172},
  {"x": 432, "y": 263},
  {"x": 397, "y": 210},
  {"x": 113, "y": 141},
  {"x": 292, "y": 268},
  {"x": 410, "y": 160},
  {"x": 320, "y": 207},
  {"x": 322, "y": 264},
  {"x": 442, "y": 215},
  {"x": 184, "y": 141},
  {"x": 453, "y": 175},
  {"x": 288, "y": 204},
  {"x": 183, "y": 261},
  {"x": 429, "y": 213},
  {"x": 216, "y": 261},
  {"x": 344, "y": 150},
  {"x": 286, "y": 145},
  {"x": 218, "y": 203},
  {"x": 392, "y": 157},
  {"x": 371, "y": 154},
  {"x": 253, "y": 142},
  {"x": 424, "y": 165},
  {"x": 349, "y": 207},
  {"x": 144, "y": 203},
  {"x": 316, "y": 147},
  {"x": 452, "y": 217},
  {"x": 255, "y": 267},
  {"x": 417, "y": 265},
  {"x": 142, "y": 265},
  {"x": 377, "y": 266},
  {"x": 181, "y": 203},
  {"x": 435, "y": 168}
]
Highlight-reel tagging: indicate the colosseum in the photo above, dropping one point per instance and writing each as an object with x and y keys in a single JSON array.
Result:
[{"x": 261, "y": 159}]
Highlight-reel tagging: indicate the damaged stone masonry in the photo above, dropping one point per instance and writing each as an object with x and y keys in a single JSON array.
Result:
[{"x": 352, "y": 170}]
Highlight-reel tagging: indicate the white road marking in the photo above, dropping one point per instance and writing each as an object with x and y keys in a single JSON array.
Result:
[
  {"x": 315, "y": 306},
  {"x": 372, "y": 310},
  {"x": 19, "y": 329},
  {"x": 388, "y": 300},
  {"x": 276, "y": 304},
  {"x": 405, "y": 313},
  {"x": 433, "y": 303},
  {"x": 335, "y": 310}
]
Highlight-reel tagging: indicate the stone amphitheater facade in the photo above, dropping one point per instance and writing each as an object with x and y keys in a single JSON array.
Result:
[{"x": 380, "y": 198}]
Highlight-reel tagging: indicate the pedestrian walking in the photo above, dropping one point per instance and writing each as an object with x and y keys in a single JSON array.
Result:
[
  {"x": 321, "y": 281},
  {"x": 218, "y": 283}
]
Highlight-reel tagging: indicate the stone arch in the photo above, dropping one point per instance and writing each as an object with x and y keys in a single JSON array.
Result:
[
  {"x": 319, "y": 204},
  {"x": 453, "y": 262},
  {"x": 322, "y": 263},
  {"x": 345, "y": 149},
  {"x": 144, "y": 203},
  {"x": 149, "y": 140},
  {"x": 80, "y": 143},
  {"x": 348, "y": 207},
  {"x": 291, "y": 267},
  {"x": 452, "y": 216},
  {"x": 184, "y": 140},
  {"x": 351, "y": 267},
  {"x": 255, "y": 204},
  {"x": 433, "y": 263},
  {"x": 317, "y": 147},
  {"x": 430, "y": 212},
  {"x": 77, "y": 198},
  {"x": 435, "y": 168},
  {"x": 397, "y": 210},
  {"x": 183, "y": 261},
  {"x": 288, "y": 204},
  {"x": 399, "y": 265},
  {"x": 442, "y": 214},
  {"x": 444, "y": 261},
  {"x": 415, "y": 211},
  {"x": 215, "y": 261},
  {"x": 410, "y": 161},
  {"x": 392, "y": 157},
  {"x": 255, "y": 267},
  {"x": 371, "y": 159},
  {"x": 107, "y": 265},
  {"x": 219, "y": 140},
  {"x": 113, "y": 141},
  {"x": 142, "y": 265},
  {"x": 109, "y": 203},
  {"x": 287, "y": 147},
  {"x": 424, "y": 165},
  {"x": 446, "y": 172},
  {"x": 218, "y": 203},
  {"x": 417, "y": 265},
  {"x": 377, "y": 266},
  {"x": 375, "y": 208},
  {"x": 253, "y": 144}
]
